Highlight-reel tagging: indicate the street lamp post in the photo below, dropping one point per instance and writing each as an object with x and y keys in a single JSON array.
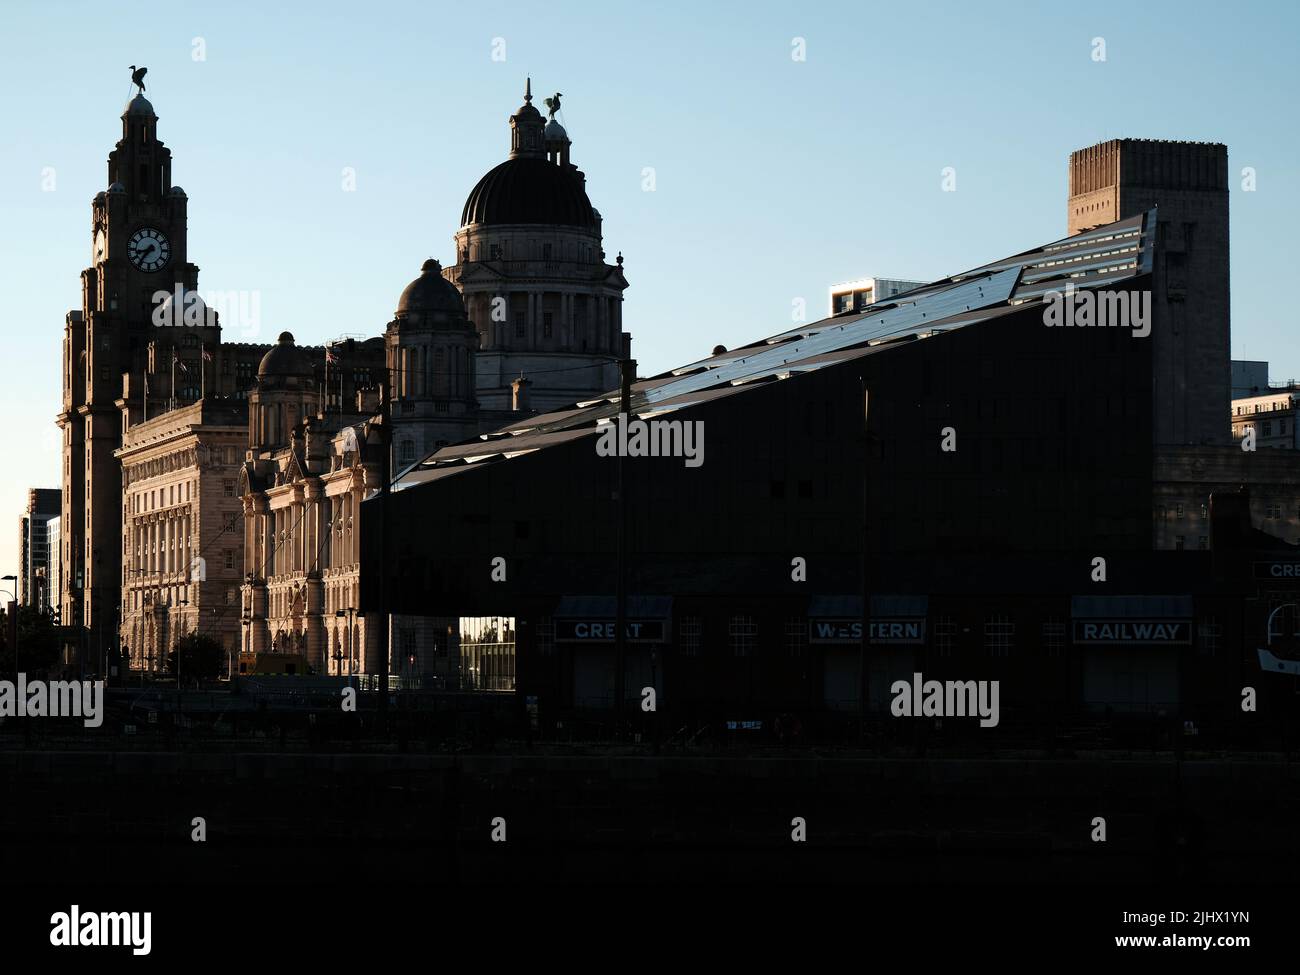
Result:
[
  {"x": 350, "y": 615},
  {"x": 13, "y": 608},
  {"x": 185, "y": 601}
]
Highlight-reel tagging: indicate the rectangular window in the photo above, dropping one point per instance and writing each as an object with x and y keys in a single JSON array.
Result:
[
  {"x": 741, "y": 631},
  {"x": 688, "y": 636},
  {"x": 521, "y": 324},
  {"x": 796, "y": 635},
  {"x": 999, "y": 633},
  {"x": 943, "y": 634},
  {"x": 546, "y": 636},
  {"x": 1208, "y": 636},
  {"x": 547, "y": 320},
  {"x": 1179, "y": 542},
  {"x": 230, "y": 560},
  {"x": 228, "y": 488},
  {"x": 1053, "y": 636}
]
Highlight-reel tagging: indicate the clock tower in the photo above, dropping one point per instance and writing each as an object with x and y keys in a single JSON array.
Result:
[{"x": 138, "y": 231}]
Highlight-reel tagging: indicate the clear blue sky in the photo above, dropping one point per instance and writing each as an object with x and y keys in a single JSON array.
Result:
[{"x": 774, "y": 177}]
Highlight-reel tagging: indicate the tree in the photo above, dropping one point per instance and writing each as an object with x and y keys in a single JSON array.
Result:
[
  {"x": 201, "y": 657},
  {"x": 39, "y": 641}
]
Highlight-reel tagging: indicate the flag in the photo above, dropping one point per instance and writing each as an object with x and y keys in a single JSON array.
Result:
[
  {"x": 177, "y": 362},
  {"x": 330, "y": 355},
  {"x": 207, "y": 356}
]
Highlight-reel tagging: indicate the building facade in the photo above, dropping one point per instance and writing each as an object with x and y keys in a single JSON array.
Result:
[
  {"x": 37, "y": 552},
  {"x": 1270, "y": 415},
  {"x": 819, "y": 554},
  {"x": 856, "y": 295},
  {"x": 301, "y": 483},
  {"x": 181, "y": 531}
]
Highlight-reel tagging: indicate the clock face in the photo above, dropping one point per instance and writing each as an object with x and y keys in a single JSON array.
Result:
[
  {"x": 149, "y": 249},
  {"x": 101, "y": 247}
]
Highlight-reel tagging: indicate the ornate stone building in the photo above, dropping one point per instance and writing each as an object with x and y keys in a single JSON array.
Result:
[
  {"x": 531, "y": 267},
  {"x": 152, "y": 399},
  {"x": 181, "y": 529},
  {"x": 302, "y": 483},
  {"x": 131, "y": 354}
]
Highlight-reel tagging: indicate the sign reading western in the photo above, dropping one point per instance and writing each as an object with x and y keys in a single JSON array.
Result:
[
  {"x": 1132, "y": 631},
  {"x": 882, "y": 631},
  {"x": 604, "y": 631},
  {"x": 1286, "y": 569}
]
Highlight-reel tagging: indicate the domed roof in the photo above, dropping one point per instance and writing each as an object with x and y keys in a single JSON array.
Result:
[
  {"x": 431, "y": 293},
  {"x": 116, "y": 187},
  {"x": 139, "y": 105},
  {"x": 285, "y": 359},
  {"x": 554, "y": 132},
  {"x": 176, "y": 191},
  {"x": 528, "y": 189}
]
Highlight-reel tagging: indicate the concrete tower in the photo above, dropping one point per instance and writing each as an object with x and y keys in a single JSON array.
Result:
[{"x": 1188, "y": 184}]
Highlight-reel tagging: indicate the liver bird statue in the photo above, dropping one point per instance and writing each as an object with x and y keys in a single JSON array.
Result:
[
  {"x": 137, "y": 76},
  {"x": 553, "y": 104}
]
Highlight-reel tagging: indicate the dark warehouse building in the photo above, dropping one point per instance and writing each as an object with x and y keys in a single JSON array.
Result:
[{"x": 998, "y": 472}]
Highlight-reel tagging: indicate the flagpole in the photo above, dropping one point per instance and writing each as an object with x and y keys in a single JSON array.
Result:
[
  {"x": 203, "y": 372},
  {"x": 146, "y": 393},
  {"x": 173, "y": 400}
]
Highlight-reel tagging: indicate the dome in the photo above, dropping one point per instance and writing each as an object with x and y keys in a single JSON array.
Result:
[
  {"x": 139, "y": 105},
  {"x": 176, "y": 191},
  {"x": 116, "y": 187},
  {"x": 431, "y": 293},
  {"x": 285, "y": 359},
  {"x": 529, "y": 189},
  {"x": 554, "y": 132}
]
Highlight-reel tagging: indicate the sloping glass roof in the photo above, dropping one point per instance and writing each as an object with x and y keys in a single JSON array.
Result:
[{"x": 1105, "y": 255}]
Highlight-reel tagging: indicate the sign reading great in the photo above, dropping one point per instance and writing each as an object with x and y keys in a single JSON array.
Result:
[{"x": 604, "y": 631}]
